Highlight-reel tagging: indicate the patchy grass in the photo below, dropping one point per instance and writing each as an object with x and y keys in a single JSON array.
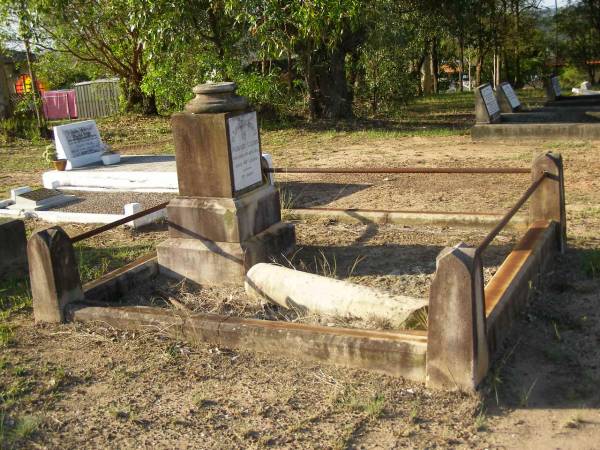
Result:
[
  {"x": 14, "y": 298},
  {"x": 15, "y": 432},
  {"x": 95, "y": 262},
  {"x": 591, "y": 263}
]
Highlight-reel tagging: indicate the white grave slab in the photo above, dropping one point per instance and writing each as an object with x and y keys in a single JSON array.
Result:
[
  {"x": 245, "y": 150},
  {"x": 511, "y": 95},
  {"x": 79, "y": 143}
]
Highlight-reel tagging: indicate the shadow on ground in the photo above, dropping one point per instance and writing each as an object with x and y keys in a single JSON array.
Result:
[{"x": 552, "y": 359}]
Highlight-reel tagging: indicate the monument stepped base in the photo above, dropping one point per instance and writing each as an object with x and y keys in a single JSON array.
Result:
[
  {"x": 223, "y": 263},
  {"x": 540, "y": 131}
]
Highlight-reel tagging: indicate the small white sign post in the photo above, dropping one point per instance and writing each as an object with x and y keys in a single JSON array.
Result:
[
  {"x": 79, "y": 143},
  {"x": 245, "y": 150}
]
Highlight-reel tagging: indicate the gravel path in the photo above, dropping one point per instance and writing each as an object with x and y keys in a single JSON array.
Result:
[{"x": 113, "y": 202}]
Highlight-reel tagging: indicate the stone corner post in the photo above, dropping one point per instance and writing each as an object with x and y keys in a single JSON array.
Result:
[
  {"x": 457, "y": 349},
  {"x": 53, "y": 273},
  {"x": 548, "y": 200}
]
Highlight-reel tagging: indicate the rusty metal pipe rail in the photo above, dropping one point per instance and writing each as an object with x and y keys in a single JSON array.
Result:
[
  {"x": 509, "y": 215},
  {"x": 116, "y": 223},
  {"x": 390, "y": 170}
]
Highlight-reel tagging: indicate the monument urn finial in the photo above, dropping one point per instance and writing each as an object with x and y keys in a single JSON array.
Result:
[{"x": 216, "y": 98}]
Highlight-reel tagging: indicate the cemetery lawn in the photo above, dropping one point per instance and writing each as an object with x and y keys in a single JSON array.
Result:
[{"x": 75, "y": 385}]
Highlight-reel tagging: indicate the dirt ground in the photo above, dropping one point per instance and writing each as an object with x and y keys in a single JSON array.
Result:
[{"x": 74, "y": 386}]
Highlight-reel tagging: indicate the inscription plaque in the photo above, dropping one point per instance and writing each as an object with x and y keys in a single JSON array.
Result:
[
  {"x": 491, "y": 104},
  {"x": 38, "y": 195},
  {"x": 245, "y": 150},
  {"x": 79, "y": 143}
]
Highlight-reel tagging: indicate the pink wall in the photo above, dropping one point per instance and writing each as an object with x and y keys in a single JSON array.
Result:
[{"x": 59, "y": 104}]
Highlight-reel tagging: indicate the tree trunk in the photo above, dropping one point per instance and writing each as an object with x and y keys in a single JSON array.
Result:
[
  {"x": 518, "y": 77},
  {"x": 426, "y": 71},
  {"x": 333, "y": 96},
  {"x": 138, "y": 101},
  {"x": 34, "y": 89},
  {"x": 353, "y": 75},
  {"x": 478, "y": 69},
  {"x": 434, "y": 65},
  {"x": 311, "y": 88},
  {"x": 289, "y": 77},
  {"x": 461, "y": 66},
  {"x": 149, "y": 105}
]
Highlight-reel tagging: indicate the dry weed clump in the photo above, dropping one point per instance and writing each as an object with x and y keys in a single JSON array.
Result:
[{"x": 233, "y": 301}]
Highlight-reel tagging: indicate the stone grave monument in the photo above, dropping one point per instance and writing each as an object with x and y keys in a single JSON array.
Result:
[
  {"x": 227, "y": 216},
  {"x": 552, "y": 84},
  {"x": 507, "y": 98},
  {"x": 79, "y": 143},
  {"x": 487, "y": 109}
]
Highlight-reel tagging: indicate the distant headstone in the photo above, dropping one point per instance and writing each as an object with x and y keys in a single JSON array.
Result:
[
  {"x": 585, "y": 89},
  {"x": 556, "y": 86},
  {"x": 13, "y": 249},
  {"x": 552, "y": 87},
  {"x": 487, "y": 109},
  {"x": 507, "y": 98},
  {"x": 245, "y": 151},
  {"x": 79, "y": 143},
  {"x": 40, "y": 199}
]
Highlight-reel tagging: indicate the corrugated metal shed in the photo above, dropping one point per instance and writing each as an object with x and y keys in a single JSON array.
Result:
[{"x": 98, "y": 98}]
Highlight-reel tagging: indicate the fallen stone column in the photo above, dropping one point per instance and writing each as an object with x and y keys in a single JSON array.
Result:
[{"x": 308, "y": 293}]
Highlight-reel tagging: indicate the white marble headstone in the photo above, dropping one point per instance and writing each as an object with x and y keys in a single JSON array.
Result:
[
  {"x": 511, "y": 95},
  {"x": 491, "y": 103},
  {"x": 245, "y": 150},
  {"x": 79, "y": 143}
]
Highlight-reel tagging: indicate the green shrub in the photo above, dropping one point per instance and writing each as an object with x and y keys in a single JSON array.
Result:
[
  {"x": 591, "y": 263},
  {"x": 572, "y": 77}
]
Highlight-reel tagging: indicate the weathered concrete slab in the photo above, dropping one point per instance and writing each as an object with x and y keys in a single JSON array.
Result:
[
  {"x": 13, "y": 249},
  {"x": 396, "y": 354}
]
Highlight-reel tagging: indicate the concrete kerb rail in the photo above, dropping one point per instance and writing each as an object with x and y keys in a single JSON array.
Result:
[{"x": 467, "y": 320}]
